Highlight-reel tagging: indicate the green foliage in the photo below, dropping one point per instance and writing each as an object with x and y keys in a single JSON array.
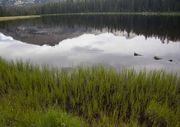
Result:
[
  {"x": 102, "y": 97},
  {"x": 160, "y": 115},
  {"x": 79, "y": 6},
  {"x": 30, "y": 118},
  {"x": 111, "y": 6}
]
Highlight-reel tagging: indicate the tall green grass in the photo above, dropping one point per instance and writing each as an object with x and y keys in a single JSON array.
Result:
[{"x": 99, "y": 96}]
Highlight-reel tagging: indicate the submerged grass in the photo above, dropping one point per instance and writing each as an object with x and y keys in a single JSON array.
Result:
[{"x": 101, "y": 97}]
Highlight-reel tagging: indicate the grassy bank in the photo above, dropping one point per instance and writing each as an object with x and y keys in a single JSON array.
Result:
[
  {"x": 9, "y": 18},
  {"x": 31, "y": 96},
  {"x": 120, "y": 13}
]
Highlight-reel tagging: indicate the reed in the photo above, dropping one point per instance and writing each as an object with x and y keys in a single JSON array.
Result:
[{"x": 99, "y": 96}]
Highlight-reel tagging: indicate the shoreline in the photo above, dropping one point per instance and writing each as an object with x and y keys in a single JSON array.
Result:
[{"x": 11, "y": 18}]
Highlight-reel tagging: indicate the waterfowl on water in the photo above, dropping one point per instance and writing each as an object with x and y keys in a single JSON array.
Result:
[
  {"x": 170, "y": 60},
  {"x": 136, "y": 54},
  {"x": 157, "y": 58}
]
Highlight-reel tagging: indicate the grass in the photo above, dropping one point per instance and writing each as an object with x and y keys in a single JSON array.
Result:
[
  {"x": 36, "y": 96},
  {"x": 14, "y": 117},
  {"x": 119, "y": 13},
  {"x": 10, "y": 18}
]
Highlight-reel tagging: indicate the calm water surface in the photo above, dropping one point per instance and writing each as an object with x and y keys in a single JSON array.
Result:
[{"x": 116, "y": 41}]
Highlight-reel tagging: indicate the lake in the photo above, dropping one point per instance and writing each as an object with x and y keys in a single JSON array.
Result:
[{"x": 151, "y": 42}]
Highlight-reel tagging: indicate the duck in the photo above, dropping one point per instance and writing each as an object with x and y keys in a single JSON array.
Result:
[
  {"x": 157, "y": 58},
  {"x": 170, "y": 60},
  {"x": 136, "y": 54}
]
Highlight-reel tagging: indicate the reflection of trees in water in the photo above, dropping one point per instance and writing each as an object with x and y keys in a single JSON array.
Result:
[
  {"x": 158, "y": 26},
  {"x": 165, "y": 28}
]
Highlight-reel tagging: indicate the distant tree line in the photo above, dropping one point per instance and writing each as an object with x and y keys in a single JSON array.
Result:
[
  {"x": 69, "y": 6},
  {"x": 112, "y": 6},
  {"x": 23, "y": 10}
]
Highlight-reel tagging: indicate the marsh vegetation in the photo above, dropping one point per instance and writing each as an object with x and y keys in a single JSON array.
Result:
[{"x": 35, "y": 96}]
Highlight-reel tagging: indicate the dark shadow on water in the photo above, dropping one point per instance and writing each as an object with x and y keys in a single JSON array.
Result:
[{"x": 53, "y": 29}]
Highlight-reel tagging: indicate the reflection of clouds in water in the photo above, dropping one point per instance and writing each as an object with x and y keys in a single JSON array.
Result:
[
  {"x": 86, "y": 49},
  {"x": 91, "y": 49},
  {"x": 4, "y": 38}
]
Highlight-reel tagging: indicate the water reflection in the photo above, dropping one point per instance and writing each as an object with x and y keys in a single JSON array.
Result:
[
  {"x": 90, "y": 49},
  {"x": 51, "y": 30}
]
